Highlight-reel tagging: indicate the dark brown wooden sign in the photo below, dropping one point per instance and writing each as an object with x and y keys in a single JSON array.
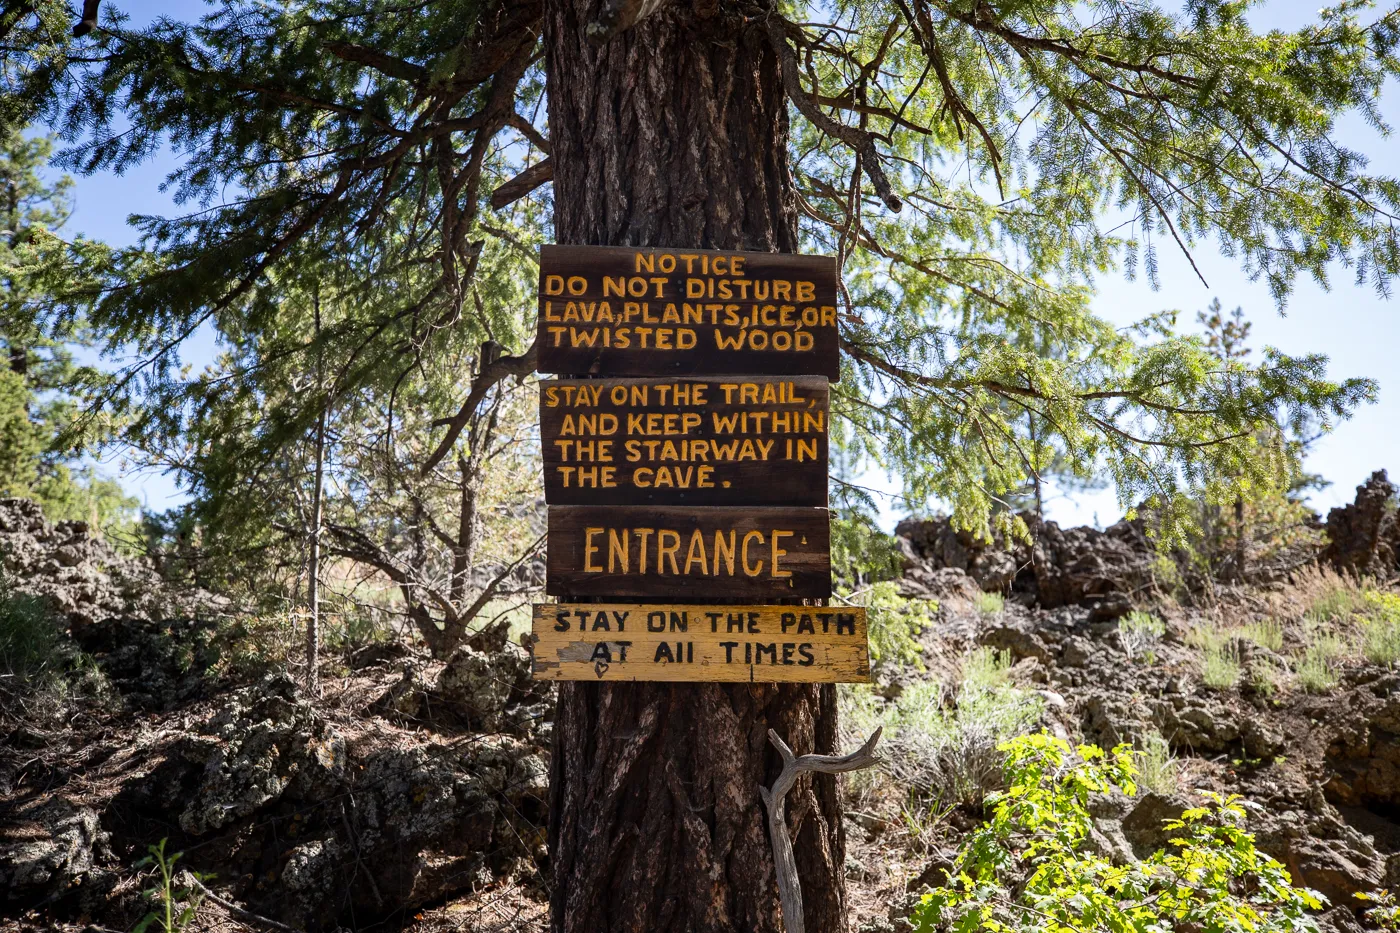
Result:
[
  {"x": 764, "y": 644},
  {"x": 618, "y": 311},
  {"x": 703, "y": 553},
  {"x": 748, "y": 440}
]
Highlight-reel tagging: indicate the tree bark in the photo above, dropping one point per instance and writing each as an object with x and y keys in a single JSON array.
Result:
[{"x": 674, "y": 133}]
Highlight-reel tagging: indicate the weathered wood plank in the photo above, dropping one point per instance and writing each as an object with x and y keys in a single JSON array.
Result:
[
  {"x": 749, "y": 440},
  {"x": 691, "y": 553},
  {"x": 620, "y": 311},
  {"x": 760, "y": 644}
]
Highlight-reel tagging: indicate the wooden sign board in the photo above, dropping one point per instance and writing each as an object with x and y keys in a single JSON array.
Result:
[
  {"x": 784, "y": 644},
  {"x": 704, "y": 553},
  {"x": 622, "y": 311},
  {"x": 729, "y": 441}
]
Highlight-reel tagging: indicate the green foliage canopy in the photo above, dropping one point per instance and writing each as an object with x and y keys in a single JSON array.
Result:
[
  {"x": 41, "y": 386},
  {"x": 973, "y": 166}
]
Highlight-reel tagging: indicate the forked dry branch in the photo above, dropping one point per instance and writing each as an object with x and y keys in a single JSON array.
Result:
[{"x": 789, "y": 888}]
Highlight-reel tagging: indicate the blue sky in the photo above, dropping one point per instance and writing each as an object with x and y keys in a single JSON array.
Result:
[{"x": 1356, "y": 329}]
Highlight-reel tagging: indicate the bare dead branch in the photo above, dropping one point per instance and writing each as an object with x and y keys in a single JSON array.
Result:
[{"x": 789, "y": 887}]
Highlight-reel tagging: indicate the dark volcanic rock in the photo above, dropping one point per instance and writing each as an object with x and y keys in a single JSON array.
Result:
[
  {"x": 1101, "y": 570},
  {"x": 1364, "y": 537},
  {"x": 82, "y": 577},
  {"x": 307, "y": 823},
  {"x": 47, "y": 849}
]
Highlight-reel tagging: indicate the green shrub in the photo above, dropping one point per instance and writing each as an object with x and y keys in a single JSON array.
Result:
[
  {"x": 941, "y": 742},
  {"x": 29, "y": 638},
  {"x": 984, "y": 670},
  {"x": 894, "y": 622},
  {"x": 1140, "y": 631},
  {"x": 1266, "y": 633},
  {"x": 989, "y": 604},
  {"x": 1220, "y": 665},
  {"x": 1158, "y": 769},
  {"x": 1265, "y": 677},
  {"x": 1380, "y": 627},
  {"x": 1204, "y": 636},
  {"x": 1318, "y": 669},
  {"x": 1030, "y": 869},
  {"x": 1335, "y": 603}
]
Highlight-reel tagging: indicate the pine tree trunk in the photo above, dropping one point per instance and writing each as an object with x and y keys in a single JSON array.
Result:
[
  {"x": 313, "y": 569},
  {"x": 674, "y": 133}
]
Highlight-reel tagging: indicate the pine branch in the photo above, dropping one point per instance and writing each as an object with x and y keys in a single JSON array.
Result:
[
  {"x": 492, "y": 373},
  {"x": 381, "y": 62},
  {"x": 860, "y": 141}
]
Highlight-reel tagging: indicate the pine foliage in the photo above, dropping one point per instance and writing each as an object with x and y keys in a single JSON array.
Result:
[{"x": 975, "y": 167}]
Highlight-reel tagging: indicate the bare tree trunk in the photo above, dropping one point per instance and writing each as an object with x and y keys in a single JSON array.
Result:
[
  {"x": 675, "y": 133},
  {"x": 313, "y": 569},
  {"x": 1241, "y": 541}
]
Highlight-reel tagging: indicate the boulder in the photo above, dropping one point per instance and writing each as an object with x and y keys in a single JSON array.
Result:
[
  {"x": 1364, "y": 537},
  {"x": 1100, "y": 570},
  {"x": 48, "y": 849},
  {"x": 257, "y": 747}
]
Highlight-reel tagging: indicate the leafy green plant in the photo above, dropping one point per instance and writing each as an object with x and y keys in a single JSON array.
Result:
[
  {"x": 1139, "y": 631},
  {"x": 894, "y": 622},
  {"x": 1029, "y": 870},
  {"x": 175, "y": 904},
  {"x": 1386, "y": 913},
  {"x": 989, "y": 604}
]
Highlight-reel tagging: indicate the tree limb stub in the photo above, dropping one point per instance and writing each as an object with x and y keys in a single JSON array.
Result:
[
  {"x": 789, "y": 888},
  {"x": 518, "y": 187},
  {"x": 620, "y": 15}
]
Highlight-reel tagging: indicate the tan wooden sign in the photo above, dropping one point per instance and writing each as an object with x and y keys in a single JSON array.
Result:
[
  {"x": 702, "y": 553},
  {"x": 750, "y": 440},
  {"x": 803, "y": 644},
  {"x": 621, "y": 311}
]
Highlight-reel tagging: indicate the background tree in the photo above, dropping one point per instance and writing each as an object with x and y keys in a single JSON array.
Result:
[{"x": 42, "y": 388}]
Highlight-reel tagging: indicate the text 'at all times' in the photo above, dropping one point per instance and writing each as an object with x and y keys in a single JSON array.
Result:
[{"x": 719, "y": 643}]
